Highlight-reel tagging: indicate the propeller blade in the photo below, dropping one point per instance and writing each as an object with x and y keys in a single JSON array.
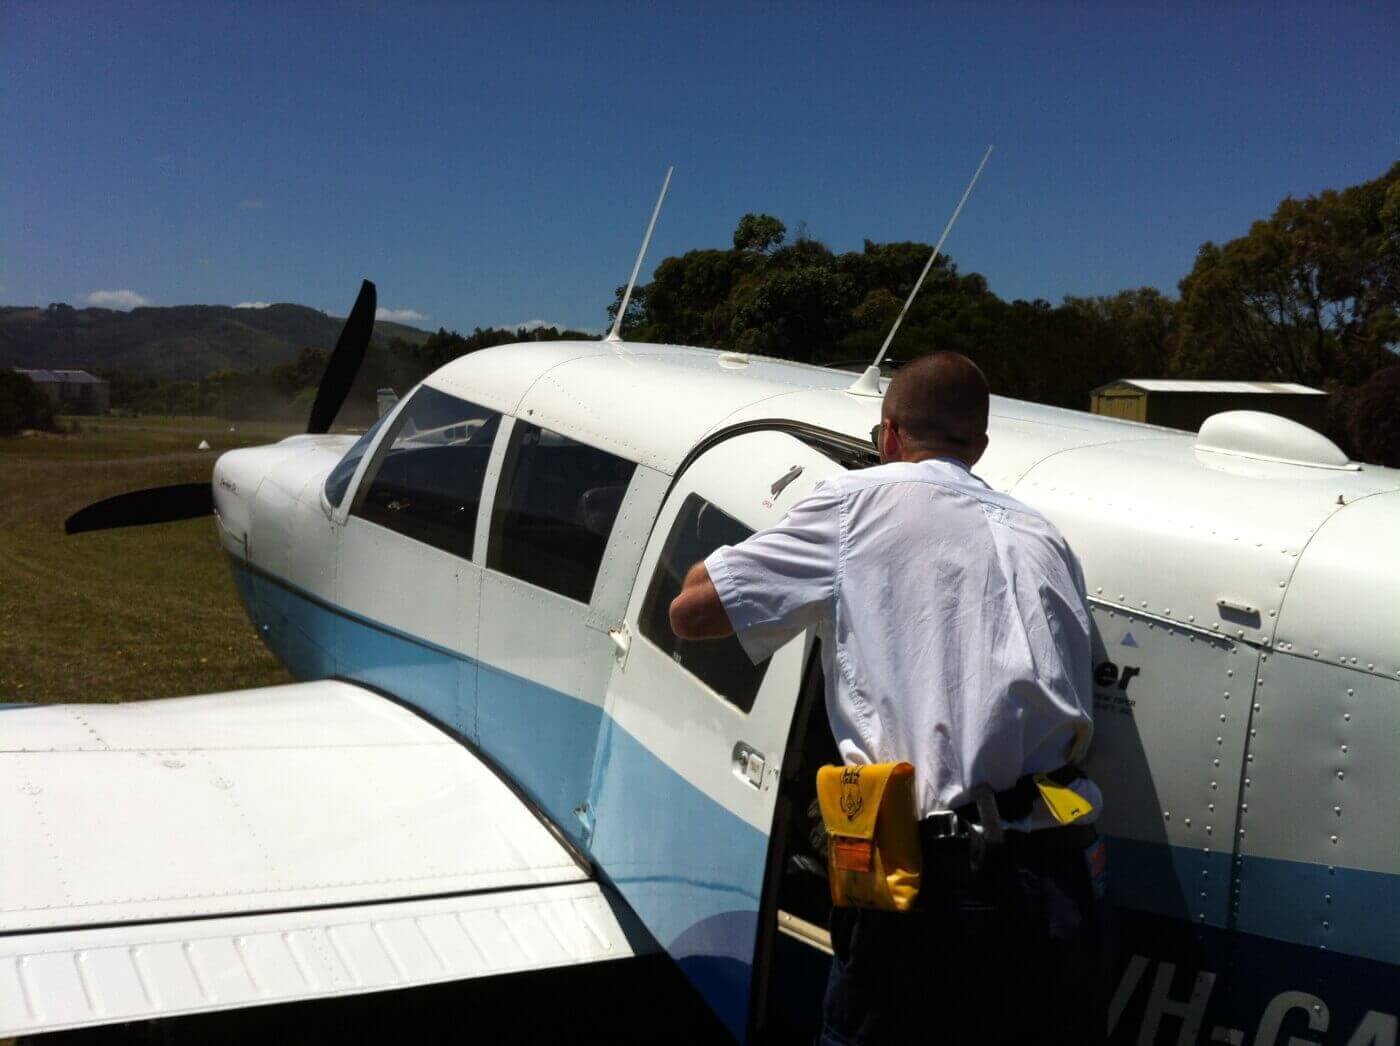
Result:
[
  {"x": 153, "y": 505},
  {"x": 345, "y": 361}
]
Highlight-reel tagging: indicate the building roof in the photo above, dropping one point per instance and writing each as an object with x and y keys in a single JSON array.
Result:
[
  {"x": 62, "y": 377},
  {"x": 79, "y": 377},
  {"x": 1170, "y": 385}
]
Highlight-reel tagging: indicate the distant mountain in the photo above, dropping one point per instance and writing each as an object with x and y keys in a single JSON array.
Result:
[{"x": 179, "y": 343}]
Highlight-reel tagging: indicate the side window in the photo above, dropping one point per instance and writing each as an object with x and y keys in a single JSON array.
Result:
[
  {"x": 344, "y": 471},
  {"x": 555, "y": 510},
  {"x": 720, "y": 664},
  {"x": 426, "y": 483}
]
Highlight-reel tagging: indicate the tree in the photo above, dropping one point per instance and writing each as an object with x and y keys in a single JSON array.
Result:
[
  {"x": 796, "y": 313},
  {"x": 1133, "y": 333},
  {"x": 1309, "y": 295},
  {"x": 759, "y": 233},
  {"x": 1375, "y": 418},
  {"x": 23, "y": 405},
  {"x": 636, "y": 309}
]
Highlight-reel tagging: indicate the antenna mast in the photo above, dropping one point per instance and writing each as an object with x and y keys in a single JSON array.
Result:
[
  {"x": 868, "y": 384},
  {"x": 615, "y": 333}
]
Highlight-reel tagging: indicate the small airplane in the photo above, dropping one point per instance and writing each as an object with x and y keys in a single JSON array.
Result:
[{"x": 500, "y": 758}]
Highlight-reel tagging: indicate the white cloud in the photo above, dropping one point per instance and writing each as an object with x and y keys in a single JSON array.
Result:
[
  {"x": 399, "y": 315},
  {"x": 253, "y": 305},
  {"x": 253, "y": 205},
  {"x": 123, "y": 299}
]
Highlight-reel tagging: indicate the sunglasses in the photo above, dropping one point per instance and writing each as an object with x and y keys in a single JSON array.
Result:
[{"x": 878, "y": 430}]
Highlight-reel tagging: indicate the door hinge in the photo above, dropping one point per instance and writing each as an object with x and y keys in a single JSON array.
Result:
[{"x": 621, "y": 637}]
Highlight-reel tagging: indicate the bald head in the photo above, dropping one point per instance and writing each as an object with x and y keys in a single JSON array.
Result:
[{"x": 937, "y": 405}]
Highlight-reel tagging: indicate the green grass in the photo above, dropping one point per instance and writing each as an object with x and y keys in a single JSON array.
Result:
[{"x": 123, "y": 614}]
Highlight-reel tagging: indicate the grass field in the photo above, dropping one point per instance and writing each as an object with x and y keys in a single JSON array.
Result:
[{"x": 124, "y": 614}]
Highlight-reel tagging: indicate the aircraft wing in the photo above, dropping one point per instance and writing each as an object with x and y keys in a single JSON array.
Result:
[{"x": 239, "y": 849}]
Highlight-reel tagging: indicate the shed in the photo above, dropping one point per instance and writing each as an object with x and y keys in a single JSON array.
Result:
[
  {"x": 73, "y": 391},
  {"x": 1187, "y": 404}
]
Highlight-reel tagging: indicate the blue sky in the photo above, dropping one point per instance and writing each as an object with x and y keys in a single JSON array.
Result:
[{"x": 496, "y": 163}]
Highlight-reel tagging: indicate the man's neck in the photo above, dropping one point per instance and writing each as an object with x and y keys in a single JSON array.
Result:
[{"x": 937, "y": 454}]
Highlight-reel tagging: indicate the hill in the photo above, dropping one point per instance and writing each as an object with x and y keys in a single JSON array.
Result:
[{"x": 178, "y": 343}]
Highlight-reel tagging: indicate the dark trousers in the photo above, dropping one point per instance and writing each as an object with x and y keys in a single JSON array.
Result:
[{"x": 1013, "y": 958}]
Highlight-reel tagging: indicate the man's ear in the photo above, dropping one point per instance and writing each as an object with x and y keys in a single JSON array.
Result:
[{"x": 891, "y": 448}]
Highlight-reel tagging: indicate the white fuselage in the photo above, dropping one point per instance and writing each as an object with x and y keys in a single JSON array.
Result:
[{"x": 1247, "y": 611}]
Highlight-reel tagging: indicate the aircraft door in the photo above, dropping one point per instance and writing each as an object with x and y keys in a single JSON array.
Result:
[{"x": 688, "y": 766}]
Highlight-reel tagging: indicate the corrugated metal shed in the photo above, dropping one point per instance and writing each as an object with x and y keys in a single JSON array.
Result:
[
  {"x": 1170, "y": 385},
  {"x": 1187, "y": 404},
  {"x": 78, "y": 377},
  {"x": 75, "y": 391},
  {"x": 40, "y": 377}
]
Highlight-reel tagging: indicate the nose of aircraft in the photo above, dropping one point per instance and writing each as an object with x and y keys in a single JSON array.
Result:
[{"x": 236, "y": 477}]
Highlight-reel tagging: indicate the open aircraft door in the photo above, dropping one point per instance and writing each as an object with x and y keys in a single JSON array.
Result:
[{"x": 688, "y": 768}]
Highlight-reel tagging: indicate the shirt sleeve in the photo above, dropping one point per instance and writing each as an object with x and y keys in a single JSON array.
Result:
[{"x": 782, "y": 580}]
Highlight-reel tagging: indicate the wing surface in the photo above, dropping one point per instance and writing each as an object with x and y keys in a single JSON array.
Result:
[{"x": 237, "y": 849}]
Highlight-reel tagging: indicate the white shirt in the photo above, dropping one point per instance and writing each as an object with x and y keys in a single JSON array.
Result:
[{"x": 954, "y": 624}]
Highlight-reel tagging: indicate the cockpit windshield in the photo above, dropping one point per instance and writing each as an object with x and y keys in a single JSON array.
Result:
[{"x": 338, "y": 482}]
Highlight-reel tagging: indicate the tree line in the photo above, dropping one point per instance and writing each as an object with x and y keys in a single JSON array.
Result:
[{"x": 1311, "y": 294}]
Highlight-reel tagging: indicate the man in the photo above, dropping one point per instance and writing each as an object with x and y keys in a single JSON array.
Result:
[{"x": 955, "y": 636}]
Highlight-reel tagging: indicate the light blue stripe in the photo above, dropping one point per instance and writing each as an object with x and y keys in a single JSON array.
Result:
[
  {"x": 1169, "y": 880},
  {"x": 692, "y": 870},
  {"x": 1289, "y": 901},
  {"x": 544, "y": 739},
  {"x": 1282, "y": 900}
]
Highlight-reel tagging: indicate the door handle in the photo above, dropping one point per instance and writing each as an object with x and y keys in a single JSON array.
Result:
[{"x": 749, "y": 764}]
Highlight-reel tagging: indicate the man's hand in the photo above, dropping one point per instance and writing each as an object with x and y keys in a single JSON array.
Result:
[{"x": 697, "y": 612}]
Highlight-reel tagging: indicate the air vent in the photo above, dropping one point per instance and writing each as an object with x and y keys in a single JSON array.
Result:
[{"x": 1268, "y": 437}]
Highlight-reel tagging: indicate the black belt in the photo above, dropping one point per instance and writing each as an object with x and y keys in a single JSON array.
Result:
[
  {"x": 1016, "y": 802},
  {"x": 1013, "y": 804}
]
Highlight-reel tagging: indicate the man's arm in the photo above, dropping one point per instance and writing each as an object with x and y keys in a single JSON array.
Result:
[
  {"x": 698, "y": 612},
  {"x": 768, "y": 588}
]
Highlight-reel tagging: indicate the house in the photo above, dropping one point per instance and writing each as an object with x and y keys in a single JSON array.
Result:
[{"x": 73, "y": 391}]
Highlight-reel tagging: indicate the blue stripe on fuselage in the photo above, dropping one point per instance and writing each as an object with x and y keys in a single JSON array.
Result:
[{"x": 651, "y": 821}]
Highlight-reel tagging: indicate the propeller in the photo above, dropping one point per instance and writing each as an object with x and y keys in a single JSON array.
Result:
[
  {"x": 192, "y": 500},
  {"x": 345, "y": 361},
  {"x": 153, "y": 505}
]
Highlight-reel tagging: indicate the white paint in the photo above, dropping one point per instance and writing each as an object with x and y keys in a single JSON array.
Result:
[
  {"x": 1190, "y": 1011},
  {"x": 311, "y": 794},
  {"x": 88, "y": 977},
  {"x": 1280, "y": 1006}
]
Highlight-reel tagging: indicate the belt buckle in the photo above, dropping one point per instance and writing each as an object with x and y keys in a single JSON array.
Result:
[{"x": 945, "y": 824}]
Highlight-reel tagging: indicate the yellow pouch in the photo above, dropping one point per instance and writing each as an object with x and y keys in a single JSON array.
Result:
[{"x": 874, "y": 858}]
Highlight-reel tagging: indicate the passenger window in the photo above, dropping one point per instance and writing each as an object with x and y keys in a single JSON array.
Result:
[
  {"x": 720, "y": 664},
  {"x": 344, "y": 471},
  {"x": 555, "y": 509},
  {"x": 427, "y": 484}
]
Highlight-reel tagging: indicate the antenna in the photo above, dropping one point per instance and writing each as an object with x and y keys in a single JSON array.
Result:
[
  {"x": 614, "y": 335},
  {"x": 868, "y": 384}
]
